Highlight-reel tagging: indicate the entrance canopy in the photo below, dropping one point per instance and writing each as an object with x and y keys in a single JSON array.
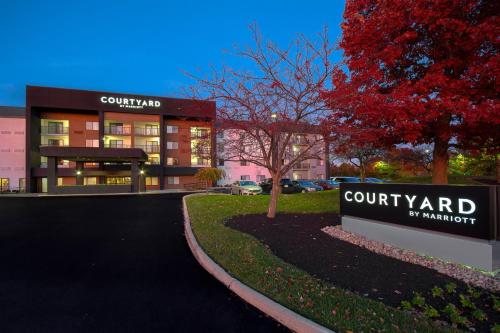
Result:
[{"x": 91, "y": 154}]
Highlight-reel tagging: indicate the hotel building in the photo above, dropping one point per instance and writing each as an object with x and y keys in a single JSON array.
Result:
[
  {"x": 316, "y": 168},
  {"x": 80, "y": 141},
  {"x": 12, "y": 149}
]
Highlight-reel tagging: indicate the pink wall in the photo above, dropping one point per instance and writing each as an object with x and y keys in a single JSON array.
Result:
[
  {"x": 12, "y": 146},
  {"x": 234, "y": 171}
]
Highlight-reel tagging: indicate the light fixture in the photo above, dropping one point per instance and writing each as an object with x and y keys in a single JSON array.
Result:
[
  {"x": 274, "y": 115},
  {"x": 78, "y": 172},
  {"x": 141, "y": 172}
]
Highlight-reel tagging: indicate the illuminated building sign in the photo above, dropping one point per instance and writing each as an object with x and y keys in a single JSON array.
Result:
[
  {"x": 461, "y": 210},
  {"x": 130, "y": 103}
]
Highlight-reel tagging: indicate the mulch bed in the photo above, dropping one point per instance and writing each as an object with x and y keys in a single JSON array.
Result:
[{"x": 298, "y": 240}]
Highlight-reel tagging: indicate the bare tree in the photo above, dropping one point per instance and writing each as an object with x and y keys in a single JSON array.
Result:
[{"x": 263, "y": 110}]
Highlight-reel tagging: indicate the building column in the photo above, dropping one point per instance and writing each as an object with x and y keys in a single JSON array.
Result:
[
  {"x": 51, "y": 174},
  {"x": 135, "y": 175},
  {"x": 101, "y": 135},
  {"x": 163, "y": 138},
  {"x": 79, "y": 178}
]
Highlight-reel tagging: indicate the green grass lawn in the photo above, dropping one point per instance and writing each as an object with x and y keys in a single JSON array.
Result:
[{"x": 251, "y": 262}]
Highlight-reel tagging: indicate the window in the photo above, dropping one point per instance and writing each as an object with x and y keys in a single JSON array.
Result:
[
  {"x": 115, "y": 143},
  {"x": 173, "y": 180},
  {"x": 151, "y": 129},
  {"x": 55, "y": 127},
  {"x": 151, "y": 181},
  {"x": 172, "y": 161},
  {"x": 172, "y": 129},
  {"x": 92, "y": 143},
  {"x": 172, "y": 145},
  {"x": 118, "y": 180},
  {"x": 60, "y": 181},
  {"x": 92, "y": 126},
  {"x": 261, "y": 178},
  {"x": 220, "y": 134},
  {"x": 4, "y": 184},
  {"x": 89, "y": 180},
  {"x": 22, "y": 184},
  {"x": 152, "y": 147},
  {"x": 116, "y": 128},
  {"x": 243, "y": 163},
  {"x": 245, "y": 177},
  {"x": 221, "y": 161}
]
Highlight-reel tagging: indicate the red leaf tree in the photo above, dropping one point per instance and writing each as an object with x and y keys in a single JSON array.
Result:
[
  {"x": 262, "y": 108},
  {"x": 421, "y": 72}
]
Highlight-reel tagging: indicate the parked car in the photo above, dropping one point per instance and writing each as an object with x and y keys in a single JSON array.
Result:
[
  {"x": 374, "y": 180},
  {"x": 326, "y": 184},
  {"x": 306, "y": 186},
  {"x": 339, "y": 180},
  {"x": 245, "y": 187},
  {"x": 287, "y": 186}
]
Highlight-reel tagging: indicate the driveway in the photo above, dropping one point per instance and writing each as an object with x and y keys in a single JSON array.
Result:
[{"x": 109, "y": 264}]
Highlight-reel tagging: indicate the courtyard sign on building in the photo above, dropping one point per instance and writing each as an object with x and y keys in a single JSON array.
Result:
[
  {"x": 130, "y": 103},
  {"x": 460, "y": 210}
]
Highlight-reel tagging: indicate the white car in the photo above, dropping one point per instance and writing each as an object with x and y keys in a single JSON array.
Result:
[{"x": 245, "y": 187}]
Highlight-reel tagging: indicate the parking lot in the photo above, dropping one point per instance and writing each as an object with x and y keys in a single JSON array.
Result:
[{"x": 109, "y": 264}]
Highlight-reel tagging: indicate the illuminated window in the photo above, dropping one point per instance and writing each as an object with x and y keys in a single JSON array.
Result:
[
  {"x": 152, "y": 181},
  {"x": 245, "y": 177},
  {"x": 172, "y": 161},
  {"x": 89, "y": 180},
  {"x": 4, "y": 184}
]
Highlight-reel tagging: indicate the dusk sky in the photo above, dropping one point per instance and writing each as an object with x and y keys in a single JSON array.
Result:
[{"x": 139, "y": 47}]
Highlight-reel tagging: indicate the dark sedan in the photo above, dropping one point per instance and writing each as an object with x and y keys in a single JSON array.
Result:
[{"x": 287, "y": 186}]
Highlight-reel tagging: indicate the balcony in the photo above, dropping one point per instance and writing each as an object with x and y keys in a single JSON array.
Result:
[
  {"x": 147, "y": 131},
  {"x": 300, "y": 141},
  {"x": 118, "y": 130},
  {"x": 54, "y": 130},
  {"x": 149, "y": 148}
]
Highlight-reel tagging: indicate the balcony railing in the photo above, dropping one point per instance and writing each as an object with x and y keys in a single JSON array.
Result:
[
  {"x": 118, "y": 130},
  {"x": 149, "y": 148},
  {"x": 53, "y": 144},
  {"x": 54, "y": 130},
  {"x": 147, "y": 131},
  {"x": 116, "y": 145},
  {"x": 200, "y": 135}
]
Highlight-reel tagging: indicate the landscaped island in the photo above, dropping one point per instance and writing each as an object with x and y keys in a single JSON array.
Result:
[{"x": 339, "y": 285}]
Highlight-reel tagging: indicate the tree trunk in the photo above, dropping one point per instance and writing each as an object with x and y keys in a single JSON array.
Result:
[
  {"x": 440, "y": 162},
  {"x": 273, "y": 203},
  {"x": 362, "y": 172},
  {"x": 497, "y": 161}
]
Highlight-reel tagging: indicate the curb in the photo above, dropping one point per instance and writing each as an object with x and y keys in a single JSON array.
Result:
[{"x": 283, "y": 315}]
